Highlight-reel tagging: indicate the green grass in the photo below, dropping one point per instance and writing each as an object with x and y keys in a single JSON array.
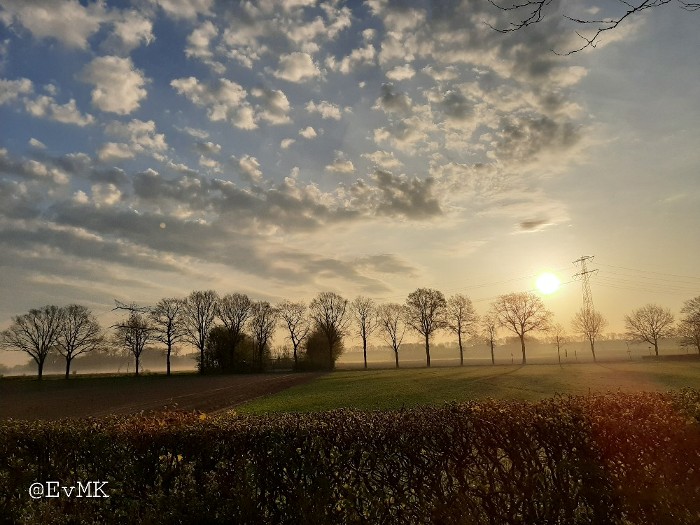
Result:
[{"x": 391, "y": 389}]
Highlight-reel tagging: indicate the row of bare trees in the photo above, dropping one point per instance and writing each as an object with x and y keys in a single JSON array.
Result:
[{"x": 73, "y": 330}]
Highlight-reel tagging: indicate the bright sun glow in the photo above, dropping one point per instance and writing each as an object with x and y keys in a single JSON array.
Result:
[{"x": 548, "y": 283}]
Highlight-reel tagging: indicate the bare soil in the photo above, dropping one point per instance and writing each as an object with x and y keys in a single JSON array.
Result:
[{"x": 53, "y": 398}]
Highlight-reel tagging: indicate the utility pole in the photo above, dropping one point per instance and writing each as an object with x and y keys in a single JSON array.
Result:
[{"x": 584, "y": 275}]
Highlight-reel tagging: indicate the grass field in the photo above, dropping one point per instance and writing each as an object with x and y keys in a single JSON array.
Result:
[{"x": 387, "y": 389}]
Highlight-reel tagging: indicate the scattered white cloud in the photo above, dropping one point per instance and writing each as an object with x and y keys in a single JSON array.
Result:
[
  {"x": 141, "y": 136},
  {"x": 308, "y": 132},
  {"x": 324, "y": 108},
  {"x": 131, "y": 30},
  {"x": 297, "y": 67},
  {"x": 68, "y": 113},
  {"x": 341, "y": 164},
  {"x": 115, "y": 151},
  {"x": 385, "y": 160},
  {"x": 185, "y": 9},
  {"x": 36, "y": 143},
  {"x": 118, "y": 86},
  {"x": 285, "y": 143},
  {"x": 399, "y": 73},
  {"x": 249, "y": 169},
  {"x": 69, "y": 22},
  {"x": 11, "y": 90},
  {"x": 273, "y": 106},
  {"x": 223, "y": 100}
]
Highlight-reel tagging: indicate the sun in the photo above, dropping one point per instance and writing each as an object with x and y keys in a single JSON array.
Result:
[{"x": 547, "y": 283}]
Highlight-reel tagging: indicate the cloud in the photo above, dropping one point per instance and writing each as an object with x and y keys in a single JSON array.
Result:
[
  {"x": 362, "y": 56},
  {"x": 297, "y": 67},
  {"x": 131, "y": 30},
  {"x": 68, "y": 21},
  {"x": 36, "y": 143},
  {"x": 185, "y": 9},
  {"x": 340, "y": 164},
  {"x": 285, "y": 143},
  {"x": 118, "y": 86},
  {"x": 387, "y": 263},
  {"x": 224, "y": 100},
  {"x": 46, "y": 107},
  {"x": 274, "y": 105},
  {"x": 308, "y": 132},
  {"x": 31, "y": 169},
  {"x": 111, "y": 151},
  {"x": 142, "y": 136},
  {"x": 249, "y": 168},
  {"x": 385, "y": 160},
  {"x": 399, "y": 73},
  {"x": 11, "y": 90},
  {"x": 393, "y": 101},
  {"x": 326, "y": 109},
  {"x": 199, "y": 46},
  {"x": 208, "y": 148}
]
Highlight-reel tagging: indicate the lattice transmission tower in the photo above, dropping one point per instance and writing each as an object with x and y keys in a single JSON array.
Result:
[{"x": 584, "y": 275}]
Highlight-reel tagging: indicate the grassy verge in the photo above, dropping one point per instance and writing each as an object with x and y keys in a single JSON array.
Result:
[{"x": 390, "y": 389}]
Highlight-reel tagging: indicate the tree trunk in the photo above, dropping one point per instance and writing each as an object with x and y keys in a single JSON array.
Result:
[
  {"x": 364, "y": 349},
  {"x": 461, "y": 350},
  {"x": 295, "y": 358},
  {"x": 396, "y": 357},
  {"x": 656, "y": 348},
  {"x": 201, "y": 360},
  {"x": 493, "y": 359},
  {"x": 167, "y": 362},
  {"x": 330, "y": 355},
  {"x": 40, "y": 364},
  {"x": 522, "y": 345},
  {"x": 68, "y": 360},
  {"x": 137, "y": 366},
  {"x": 427, "y": 350},
  {"x": 593, "y": 349}
]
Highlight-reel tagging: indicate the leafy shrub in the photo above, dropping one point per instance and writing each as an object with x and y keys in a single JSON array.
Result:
[{"x": 615, "y": 458}]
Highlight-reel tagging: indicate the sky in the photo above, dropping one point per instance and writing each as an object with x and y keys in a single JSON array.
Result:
[{"x": 283, "y": 148}]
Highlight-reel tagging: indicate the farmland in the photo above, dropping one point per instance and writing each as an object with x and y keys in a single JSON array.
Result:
[{"x": 55, "y": 398}]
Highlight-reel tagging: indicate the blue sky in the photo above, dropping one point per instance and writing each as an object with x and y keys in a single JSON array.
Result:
[{"x": 284, "y": 148}]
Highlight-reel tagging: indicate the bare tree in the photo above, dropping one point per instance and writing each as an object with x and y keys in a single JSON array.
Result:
[
  {"x": 294, "y": 316},
  {"x": 329, "y": 313},
  {"x": 198, "y": 319},
  {"x": 489, "y": 326},
  {"x": 263, "y": 319},
  {"x": 649, "y": 324},
  {"x": 168, "y": 326},
  {"x": 590, "y": 324},
  {"x": 559, "y": 338},
  {"x": 461, "y": 318},
  {"x": 522, "y": 313},
  {"x": 689, "y": 327},
  {"x": 364, "y": 312},
  {"x": 425, "y": 313},
  {"x": 79, "y": 333},
  {"x": 529, "y": 12},
  {"x": 390, "y": 320},
  {"x": 134, "y": 333},
  {"x": 35, "y": 333},
  {"x": 234, "y": 310}
]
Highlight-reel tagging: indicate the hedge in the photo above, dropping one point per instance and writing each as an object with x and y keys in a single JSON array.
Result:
[{"x": 614, "y": 458}]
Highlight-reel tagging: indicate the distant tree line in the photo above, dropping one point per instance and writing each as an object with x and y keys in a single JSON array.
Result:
[{"x": 232, "y": 333}]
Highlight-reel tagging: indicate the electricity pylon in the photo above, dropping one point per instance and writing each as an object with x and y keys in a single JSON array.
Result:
[{"x": 584, "y": 275}]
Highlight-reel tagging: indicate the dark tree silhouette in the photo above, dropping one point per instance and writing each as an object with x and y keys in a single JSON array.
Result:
[
  {"x": 390, "y": 320},
  {"x": 168, "y": 326},
  {"x": 689, "y": 326},
  {"x": 198, "y": 320},
  {"x": 79, "y": 333},
  {"x": 234, "y": 310},
  {"x": 461, "y": 319},
  {"x": 649, "y": 324},
  {"x": 364, "y": 312},
  {"x": 425, "y": 313},
  {"x": 590, "y": 324},
  {"x": 262, "y": 322},
  {"x": 134, "y": 333},
  {"x": 522, "y": 313},
  {"x": 529, "y": 12},
  {"x": 489, "y": 325},
  {"x": 293, "y": 316},
  {"x": 329, "y": 313},
  {"x": 35, "y": 333},
  {"x": 559, "y": 338}
]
